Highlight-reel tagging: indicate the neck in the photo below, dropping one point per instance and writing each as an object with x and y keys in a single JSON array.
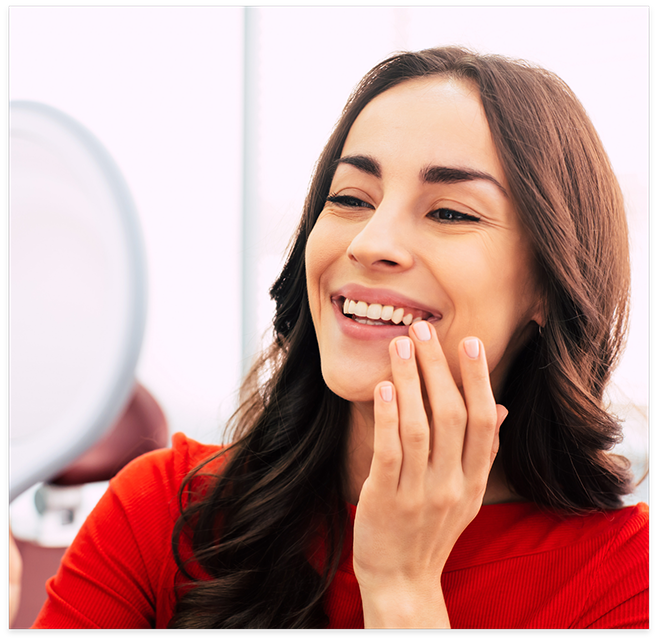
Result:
[
  {"x": 359, "y": 448},
  {"x": 359, "y": 457}
]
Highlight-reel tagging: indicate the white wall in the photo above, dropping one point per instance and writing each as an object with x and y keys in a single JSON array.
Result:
[{"x": 162, "y": 88}]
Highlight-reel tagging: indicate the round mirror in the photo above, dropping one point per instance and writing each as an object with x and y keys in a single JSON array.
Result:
[{"x": 77, "y": 292}]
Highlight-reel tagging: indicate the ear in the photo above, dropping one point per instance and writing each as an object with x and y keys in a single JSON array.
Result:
[{"x": 538, "y": 312}]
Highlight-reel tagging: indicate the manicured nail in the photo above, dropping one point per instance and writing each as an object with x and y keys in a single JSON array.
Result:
[
  {"x": 386, "y": 392},
  {"x": 403, "y": 346},
  {"x": 472, "y": 347},
  {"x": 422, "y": 330}
]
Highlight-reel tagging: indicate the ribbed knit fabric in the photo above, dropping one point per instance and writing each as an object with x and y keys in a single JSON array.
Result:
[{"x": 514, "y": 566}]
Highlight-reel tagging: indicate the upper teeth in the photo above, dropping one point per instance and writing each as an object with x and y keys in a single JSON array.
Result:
[{"x": 375, "y": 311}]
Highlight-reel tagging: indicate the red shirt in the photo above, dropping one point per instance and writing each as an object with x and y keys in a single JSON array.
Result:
[{"x": 514, "y": 566}]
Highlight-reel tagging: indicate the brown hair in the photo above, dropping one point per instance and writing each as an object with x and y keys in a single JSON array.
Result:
[{"x": 283, "y": 482}]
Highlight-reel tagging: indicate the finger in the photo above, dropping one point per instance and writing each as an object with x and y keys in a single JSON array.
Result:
[
  {"x": 483, "y": 418},
  {"x": 414, "y": 426},
  {"x": 502, "y": 413},
  {"x": 387, "y": 456},
  {"x": 446, "y": 402}
]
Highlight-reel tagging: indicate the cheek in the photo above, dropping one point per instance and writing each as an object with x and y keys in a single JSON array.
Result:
[
  {"x": 315, "y": 260},
  {"x": 501, "y": 280},
  {"x": 327, "y": 243},
  {"x": 494, "y": 297},
  {"x": 318, "y": 245},
  {"x": 321, "y": 255}
]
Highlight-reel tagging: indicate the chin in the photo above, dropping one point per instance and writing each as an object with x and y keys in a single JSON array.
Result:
[
  {"x": 357, "y": 388},
  {"x": 356, "y": 396}
]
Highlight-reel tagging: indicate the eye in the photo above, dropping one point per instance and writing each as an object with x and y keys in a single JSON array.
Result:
[
  {"x": 450, "y": 215},
  {"x": 348, "y": 201}
]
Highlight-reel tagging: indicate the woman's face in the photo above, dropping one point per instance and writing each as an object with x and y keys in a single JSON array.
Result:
[{"x": 418, "y": 219}]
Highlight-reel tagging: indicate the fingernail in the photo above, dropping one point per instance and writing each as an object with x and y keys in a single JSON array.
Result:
[
  {"x": 422, "y": 330},
  {"x": 386, "y": 392},
  {"x": 472, "y": 347},
  {"x": 403, "y": 347}
]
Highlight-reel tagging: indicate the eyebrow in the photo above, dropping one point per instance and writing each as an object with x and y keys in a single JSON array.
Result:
[{"x": 430, "y": 174}]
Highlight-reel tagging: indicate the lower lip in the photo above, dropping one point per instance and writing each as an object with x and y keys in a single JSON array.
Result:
[{"x": 360, "y": 331}]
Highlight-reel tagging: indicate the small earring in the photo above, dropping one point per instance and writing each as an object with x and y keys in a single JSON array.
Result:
[{"x": 541, "y": 331}]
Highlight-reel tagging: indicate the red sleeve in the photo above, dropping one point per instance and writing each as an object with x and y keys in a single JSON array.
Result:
[
  {"x": 620, "y": 596},
  {"x": 118, "y": 572}
]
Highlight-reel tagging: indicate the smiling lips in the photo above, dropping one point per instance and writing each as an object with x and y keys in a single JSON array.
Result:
[{"x": 377, "y": 314}]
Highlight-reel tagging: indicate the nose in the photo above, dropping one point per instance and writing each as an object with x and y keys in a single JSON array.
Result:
[{"x": 383, "y": 243}]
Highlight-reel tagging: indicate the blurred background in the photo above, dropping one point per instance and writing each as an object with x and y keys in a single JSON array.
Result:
[{"x": 216, "y": 116}]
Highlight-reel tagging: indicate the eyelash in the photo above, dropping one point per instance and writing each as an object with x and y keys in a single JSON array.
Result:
[{"x": 450, "y": 214}]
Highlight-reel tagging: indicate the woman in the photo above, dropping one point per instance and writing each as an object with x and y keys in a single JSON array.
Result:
[{"x": 425, "y": 444}]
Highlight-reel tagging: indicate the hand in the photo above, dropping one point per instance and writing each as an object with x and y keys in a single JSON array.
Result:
[
  {"x": 15, "y": 575},
  {"x": 427, "y": 477}
]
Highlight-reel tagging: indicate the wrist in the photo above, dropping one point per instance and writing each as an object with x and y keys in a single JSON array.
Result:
[{"x": 404, "y": 607}]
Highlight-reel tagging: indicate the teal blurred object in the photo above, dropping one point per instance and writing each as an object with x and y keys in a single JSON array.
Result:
[{"x": 77, "y": 293}]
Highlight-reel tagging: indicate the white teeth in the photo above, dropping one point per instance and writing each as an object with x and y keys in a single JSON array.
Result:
[
  {"x": 374, "y": 311},
  {"x": 365, "y": 321},
  {"x": 364, "y": 313},
  {"x": 361, "y": 308}
]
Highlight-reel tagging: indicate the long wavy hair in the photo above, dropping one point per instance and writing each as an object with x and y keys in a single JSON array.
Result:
[{"x": 265, "y": 533}]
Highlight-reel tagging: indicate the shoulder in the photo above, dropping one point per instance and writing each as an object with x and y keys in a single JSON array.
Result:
[
  {"x": 183, "y": 455},
  {"x": 588, "y": 570},
  {"x": 146, "y": 492},
  {"x": 605, "y": 536},
  {"x": 623, "y": 536},
  {"x": 120, "y": 571},
  {"x": 633, "y": 524},
  {"x": 161, "y": 472},
  {"x": 619, "y": 591},
  {"x": 524, "y": 529},
  {"x": 627, "y": 553}
]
